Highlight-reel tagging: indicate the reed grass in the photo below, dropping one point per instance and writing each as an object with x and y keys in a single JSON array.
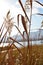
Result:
[{"x": 25, "y": 56}]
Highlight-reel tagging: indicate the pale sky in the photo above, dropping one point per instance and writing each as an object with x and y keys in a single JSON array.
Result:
[{"x": 14, "y": 7}]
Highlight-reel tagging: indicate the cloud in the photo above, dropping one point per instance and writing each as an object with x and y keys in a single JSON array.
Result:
[
  {"x": 35, "y": 10},
  {"x": 17, "y": 3}
]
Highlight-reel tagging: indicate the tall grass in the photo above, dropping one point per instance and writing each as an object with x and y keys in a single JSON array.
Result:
[{"x": 25, "y": 56}]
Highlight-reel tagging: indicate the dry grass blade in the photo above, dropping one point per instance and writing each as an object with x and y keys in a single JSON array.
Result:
[
  {"x": 18, "y": 50},
  {"x": 3, "y": 36},
  {"x": 2, "y": 26},
  {"x": 39, "y": 14},
  {"x": 39, "y": 2},
  {"x": 29, "y": 49},
  {"x": 24, "y": 24},
  {"x": 1, "y": 32},
  {"x": 15, "y": 45},
  {"x": 23, "y": 10},
  {"x": 18, "y": 19},
  {"x": 19, "y": 31},
  {"x": 30, "y": 12},
  {"x": 16, "y": 41},
  {"x": 8, "y": 13},
  {"x": 31, "y": 3},
  {"x": 1, "y": 29},
  {"x": 5, "y": 39}
]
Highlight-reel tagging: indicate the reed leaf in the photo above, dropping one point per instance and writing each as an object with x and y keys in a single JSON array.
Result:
[
  {"x": 31, "y": 3},
  {"x": 19, "y": 31},
  {"x": 4, "y": 36},
  {"x": 18, "y": 50},
  {"x": 24, "y": 10},
  {"x": 1, "y": 32},
  {"x": 1, "y": 29},
  {"x": 2, "y": 26},
  {"x": 23, "y": 22},
  {"x": 15, "y": 45},
  {"x": 39, "y": 2},
  {"x": 8, "y": 13},
  {"x": 39, "y": 14},
  {"x": 18, "y": 19},
  {"x": 16, "y": 41}
]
